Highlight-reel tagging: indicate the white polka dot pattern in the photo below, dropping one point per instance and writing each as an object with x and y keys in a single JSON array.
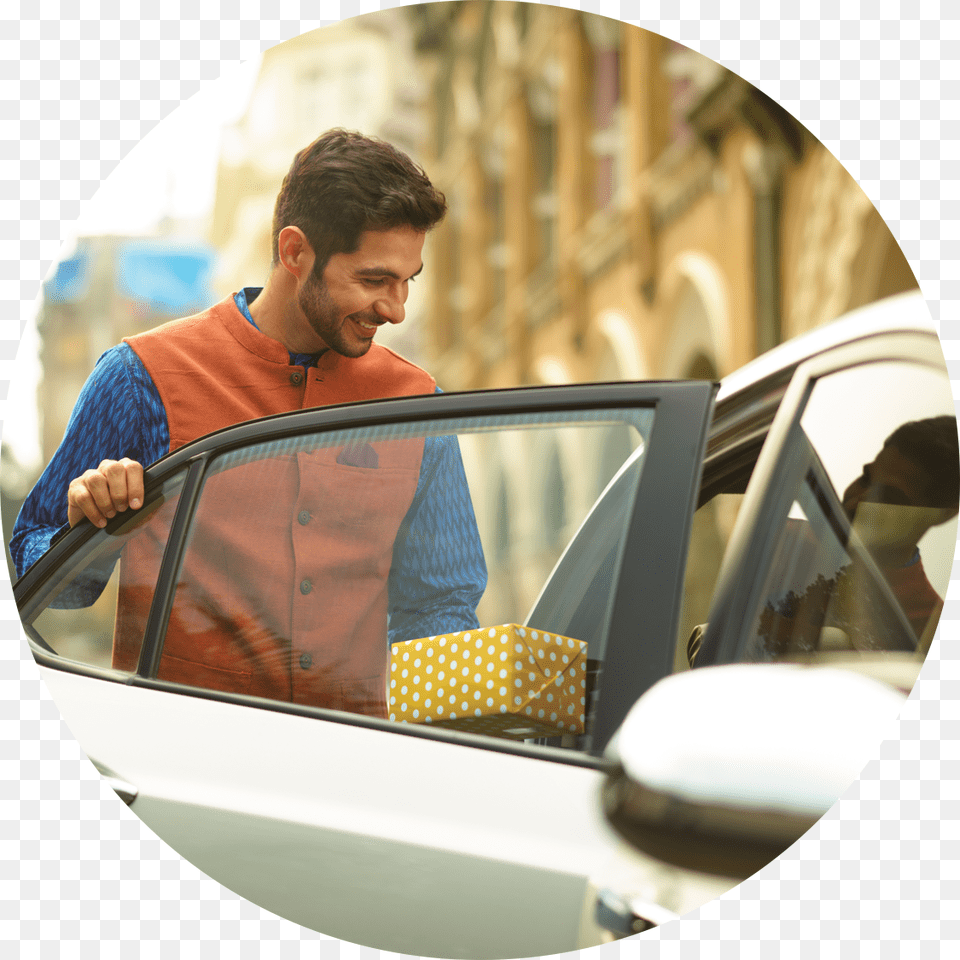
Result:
[{"x": 507, "y": 681}]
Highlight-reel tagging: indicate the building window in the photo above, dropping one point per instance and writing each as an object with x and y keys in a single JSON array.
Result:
[
  {"x": 495, "y": 211},
  {"x": 603, "y": 36},
  {"x": 542, "y": 106},
  {"x": 606, "y": 114},
  {"x": 690, "y": 75}
]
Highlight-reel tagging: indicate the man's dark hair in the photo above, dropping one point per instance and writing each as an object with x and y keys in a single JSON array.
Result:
[
  {"x": 346, "y": 183},
  {"x": 932, "y": 445}
]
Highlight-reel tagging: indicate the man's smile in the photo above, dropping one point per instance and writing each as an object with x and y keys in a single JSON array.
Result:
[{"x": 357, "y": 293}]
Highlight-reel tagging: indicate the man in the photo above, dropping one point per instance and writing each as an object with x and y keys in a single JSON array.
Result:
[
  {"x": 348, "y": 232},
  {"x": 827, "y": 599},
  {"x": 911, "y": 485}
]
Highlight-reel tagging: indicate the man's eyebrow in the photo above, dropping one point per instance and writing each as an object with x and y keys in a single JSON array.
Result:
[{"x": 385, "y": 272}]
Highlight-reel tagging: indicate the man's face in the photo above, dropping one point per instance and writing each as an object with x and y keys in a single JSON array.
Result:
[
  {"x": 889, "y": 505},
  {"x": 890, "y": 478},
  {"x": 361, "y": 291}
]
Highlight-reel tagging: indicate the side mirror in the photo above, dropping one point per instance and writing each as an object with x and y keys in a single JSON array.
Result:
[{"x": 720, "y": 769}]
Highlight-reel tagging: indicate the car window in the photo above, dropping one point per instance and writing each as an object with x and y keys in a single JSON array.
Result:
[
  {"x": 862, "y": 536},
  {"x": 886, "y": 436},
  {"x": 824, "y": 593},
  {"x": 83, "y": 613},
  {"x": 389, "y": 572},
  {"x": 384, "y": 571},
  {"x": 710, "y": 532}
]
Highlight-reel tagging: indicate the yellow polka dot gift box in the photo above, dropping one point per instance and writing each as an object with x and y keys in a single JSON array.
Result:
[{"x": 507, "y": 681}]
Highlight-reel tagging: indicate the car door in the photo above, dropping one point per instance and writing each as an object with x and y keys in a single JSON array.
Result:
[{"x": 400, "y": 835}]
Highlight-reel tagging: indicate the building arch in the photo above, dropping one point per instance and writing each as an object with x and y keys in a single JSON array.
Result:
[
  {"x": 698, "y": 317},
  {"x": 622, "y": 356},
  {"x": 551, "y": 370}
]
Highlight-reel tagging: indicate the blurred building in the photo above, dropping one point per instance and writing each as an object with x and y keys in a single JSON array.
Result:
[
  {"x": 108, "y": 289},
  {"x": 622, "y": 207},
  {"x": 15, "y": 483}
]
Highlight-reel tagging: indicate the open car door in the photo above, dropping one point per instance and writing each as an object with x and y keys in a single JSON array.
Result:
[{"x": 180, "y": 645}]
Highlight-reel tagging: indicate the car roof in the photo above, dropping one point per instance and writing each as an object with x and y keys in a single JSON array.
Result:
[
  {"x": 748, "y": 398},
  {"x": 904, "y": 312}
]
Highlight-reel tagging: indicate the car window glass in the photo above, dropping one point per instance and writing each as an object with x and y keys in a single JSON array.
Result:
[
  {"x": 710, "y": 531},
  {"x": 351, "y": 570},
  {"x": 83, "y": 613},
  {"x": 823, "y": 594},
  {"x": 815, "y": 574},
  {"x": 864, "y": 535},
  {"x": 886, "y": 435}
]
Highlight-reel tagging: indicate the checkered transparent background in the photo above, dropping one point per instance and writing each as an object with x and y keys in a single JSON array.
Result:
[{"x": 82, "y": 83}]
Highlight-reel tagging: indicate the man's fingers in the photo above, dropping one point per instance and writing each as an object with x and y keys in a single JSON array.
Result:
[
  {"x": 134, "y": 482},
  {"x": 83, "y": 501},
  {"x": 117, "y": 496},
  {"x": 100, "y": 494}
]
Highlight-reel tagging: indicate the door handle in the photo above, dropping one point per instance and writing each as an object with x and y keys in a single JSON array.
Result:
[
  {"x": 125, "y": 790},
  {"x": 625, "y": 916}
]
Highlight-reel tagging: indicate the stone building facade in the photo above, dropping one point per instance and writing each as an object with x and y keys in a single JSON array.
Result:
[{"x": 622, "y": 207}]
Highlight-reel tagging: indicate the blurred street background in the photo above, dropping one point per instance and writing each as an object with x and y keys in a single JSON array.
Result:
[{"x": 620, "y": 208}]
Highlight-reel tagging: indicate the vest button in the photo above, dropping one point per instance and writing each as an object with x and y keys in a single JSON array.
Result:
[
  {"x": 305, "y": 661},
  {"x": 296, "y": 378},
  {"x": 305, "y": 587},
  {"x": 303, "y": 517}
]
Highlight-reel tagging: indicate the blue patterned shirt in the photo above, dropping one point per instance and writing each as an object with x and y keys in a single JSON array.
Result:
[{"x": 438, "y": 574}]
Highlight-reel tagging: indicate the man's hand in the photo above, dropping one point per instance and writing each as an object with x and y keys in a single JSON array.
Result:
[{"x": 101, "y": 494}]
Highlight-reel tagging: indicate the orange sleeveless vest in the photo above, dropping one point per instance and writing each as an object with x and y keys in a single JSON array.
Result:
[{"x": 283, "y": 589}]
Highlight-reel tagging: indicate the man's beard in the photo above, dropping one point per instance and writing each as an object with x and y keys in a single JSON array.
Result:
[{"x": 325, "y": 318}]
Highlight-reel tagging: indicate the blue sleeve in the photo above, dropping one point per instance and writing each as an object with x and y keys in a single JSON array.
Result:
[
  {"x": 438, "y": 574},
  {"x": 118, "y": 414}
]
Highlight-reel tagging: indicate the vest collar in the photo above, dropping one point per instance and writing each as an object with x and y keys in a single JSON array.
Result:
[{"x": 248, "y": 335}]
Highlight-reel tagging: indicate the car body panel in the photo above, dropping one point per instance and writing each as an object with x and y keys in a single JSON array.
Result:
[{"x": 440, "y": 848}]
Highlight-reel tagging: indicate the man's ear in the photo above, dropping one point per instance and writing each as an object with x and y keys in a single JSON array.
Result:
[{"x": 296, "y": 254}]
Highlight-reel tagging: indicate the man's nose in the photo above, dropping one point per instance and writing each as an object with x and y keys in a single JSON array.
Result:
[
  {"x": 851, "y": 499},
  {"x": 390, "y": 306}
]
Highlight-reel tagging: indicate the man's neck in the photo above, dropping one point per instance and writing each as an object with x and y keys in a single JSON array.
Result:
[
  {"x": 276, "y": 315},
  {"x": 895, "y": 558}
]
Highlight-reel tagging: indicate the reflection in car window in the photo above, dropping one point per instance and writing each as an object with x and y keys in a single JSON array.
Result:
[
  {"x": 823, "y": 593},
  {"x": 894, "y": 466},
  {"x": 308, "y": 559},
  {"x": 85, "y": 613},
  {"x": 864, "y": 555}
]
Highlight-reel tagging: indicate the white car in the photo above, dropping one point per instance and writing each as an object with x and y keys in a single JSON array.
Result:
[{"x": 661, "y": 524}]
